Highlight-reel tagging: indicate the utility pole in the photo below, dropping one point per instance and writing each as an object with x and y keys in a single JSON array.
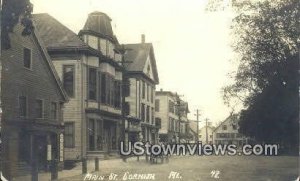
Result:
[
  {"x": 123, "y": 84},
  {"x": 197, "y": 114},
  {"x": 206, "y": 130},
  {"x": 178, "y": 105}
]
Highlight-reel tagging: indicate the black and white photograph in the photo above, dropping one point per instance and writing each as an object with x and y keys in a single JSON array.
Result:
[{"x": 137, "y": 90}]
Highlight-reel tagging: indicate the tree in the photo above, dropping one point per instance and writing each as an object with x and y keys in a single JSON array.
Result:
[
  {"x": 266, "y": 37},
  {"x": 12, "y": 11}
]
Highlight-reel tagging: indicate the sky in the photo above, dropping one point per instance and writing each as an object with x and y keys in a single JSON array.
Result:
[{"x": 191, "y": 46}]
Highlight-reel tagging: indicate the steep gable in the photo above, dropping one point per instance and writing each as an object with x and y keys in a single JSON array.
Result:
[
  {"x": 229, "y": 121},
  {"x": 141, "y": 55},
  {"x": 41, "y": 80},
  {"x": 148, "y": 69}
]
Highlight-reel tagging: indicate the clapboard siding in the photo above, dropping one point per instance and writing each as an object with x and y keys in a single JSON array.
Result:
[
  {"x": 73, "y": 109},
  {"x": 35, "y": 83}
]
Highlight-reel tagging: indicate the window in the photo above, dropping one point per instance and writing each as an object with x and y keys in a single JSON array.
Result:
[
  {"x": 234, "y": 127},
  {"x": 143, "y": 112},
  {"x": 152, "y": 115},
  {"x": 103, "y": 46},
  {"x": 69, "y": 135},
  {"x": 148, "y": 114},
  {"x": 27, "y": 57},
  {"x": 126, "y": 108},
  {"x": 68, "y": 79},
  {"x": 176, "y": 125},
  {"x": 92, "y": 83},
  {"x": 126, "y": 88},
  {"x": 53, "y": 110},
  {"x": 157, "y": 105},
  {"x": 171, "y": 107},
  {"x": 112, "y": 91},
  {"x": 93, "y": 42},
  {"x": 117, "y": 96},
  {"x": 224, "y": 127},
  {"x": 108, "y": 89},
  {"x": 210, "y": 136},
  {"x": 143, "y": 90},
  {"x": 170, "y": 123},
  {"x": 91, "y": 133},
  {"x": 99, "y": 135},
  {"x": 173, "y": 125},
  {"x": 152, "y": 94},
  {"x": 158, "y": 122},
  {"x": 103, "y": 88},
  {"x": 99, "y": 87},
  {"x": 148, "y": 91},
  {"x": 39, "y": 108},
  {"x": 23, "y": 106}
]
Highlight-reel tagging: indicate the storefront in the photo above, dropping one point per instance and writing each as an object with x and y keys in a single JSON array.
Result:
[
  {"x": 103, "y": 135},
  {"x": 29, "y": 146}
]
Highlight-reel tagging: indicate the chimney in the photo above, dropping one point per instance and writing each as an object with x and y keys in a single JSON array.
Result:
[
  {"x": 161, "y": 90},
  {"x": 143, "y": 38}
]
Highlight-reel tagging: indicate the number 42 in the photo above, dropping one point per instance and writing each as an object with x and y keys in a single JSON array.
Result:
[{"x": 215, "y": 174}]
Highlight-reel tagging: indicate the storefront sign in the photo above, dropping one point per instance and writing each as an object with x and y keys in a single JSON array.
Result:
[
  {"x": 61, "y": 147},
  {"x": 49, "y": 151}
]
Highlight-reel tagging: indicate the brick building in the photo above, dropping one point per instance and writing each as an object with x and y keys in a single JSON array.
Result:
[
  {"x": 141, "y": 77},
  {"x": 89, "y": 66},
  {"x": 32, "y": 101}
]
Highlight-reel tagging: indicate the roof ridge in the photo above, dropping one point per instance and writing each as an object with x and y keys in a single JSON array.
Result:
[
  {"x": 44, "y": 52},
  {"x": 57, "y": 22},
  {"x": 47, "y": 31}
]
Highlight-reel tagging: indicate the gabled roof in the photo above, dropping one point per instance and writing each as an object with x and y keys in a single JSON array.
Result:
[
  {"x": 231, "y": 117},
  {"x": 185, "y": 105},
  {"x": 44, "y": 52},
  {"x": 56, "y": 35},
  {"x": 138, "y": 54}
]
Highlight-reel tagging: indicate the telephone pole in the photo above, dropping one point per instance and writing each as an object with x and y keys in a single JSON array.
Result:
[
  {"x": 206, "y": 130},
  {"x": 197, "y": 115},
  {"x": 178, "y": 111},
  {"x": 123, "y": 84}
]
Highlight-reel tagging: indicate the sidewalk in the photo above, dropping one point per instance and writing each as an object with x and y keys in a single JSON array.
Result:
[{"x": 104, "y": 165}]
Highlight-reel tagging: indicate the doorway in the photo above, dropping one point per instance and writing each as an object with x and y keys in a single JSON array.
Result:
[{"x": 39, "y": 150}]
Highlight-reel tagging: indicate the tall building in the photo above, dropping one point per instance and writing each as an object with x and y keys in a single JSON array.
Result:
[
  {"x": 172, "y": 112},
  {"x": 32, "y": 99},
  {"x": 89, "y": 66},
  {"x": 183, "y": 111},
  {"x": 141, "y": 77}
]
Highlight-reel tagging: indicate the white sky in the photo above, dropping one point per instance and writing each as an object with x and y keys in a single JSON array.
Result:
[{"x": 191, "y": 46}]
